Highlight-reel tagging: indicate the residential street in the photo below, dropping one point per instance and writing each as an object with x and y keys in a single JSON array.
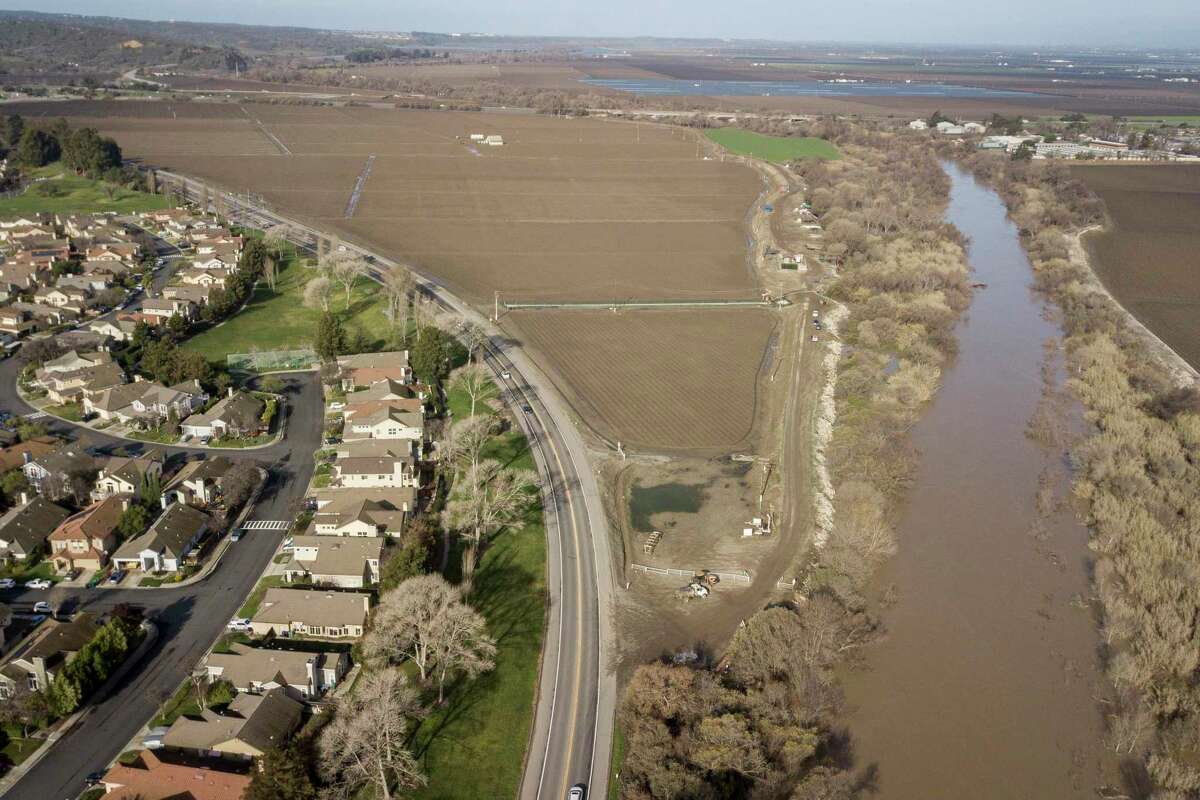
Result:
[{"x": 189, "y": 618}]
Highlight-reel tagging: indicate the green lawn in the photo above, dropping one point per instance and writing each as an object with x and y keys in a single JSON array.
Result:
[
  {"x": 20, "y": 572},
  {"x": 474, "y": 746},
  {"x": 279, "y": 320},
  {"x": 15, "y": 749},
  {"x": 772, "y": 148},
  {"x": 154, "y": 436},
  {"x": 182, "y": 703},
  {"x": 250, "y": 607},
  {"x": 68, "y": 411},
  {"x": 618, "y": 759},
  {"x": 459, "y": 404},
  {"x": 1151, "y": 121},
  {"x": 70, "y": 194}
]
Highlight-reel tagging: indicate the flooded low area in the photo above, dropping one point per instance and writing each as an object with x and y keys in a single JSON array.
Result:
[
  {"x": 665, "y": 498},
  {"x": 987, "y": 684}
]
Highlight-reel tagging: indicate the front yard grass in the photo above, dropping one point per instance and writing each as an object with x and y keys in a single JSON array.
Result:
[
  {"x": 17, "y": 749},
  {"x": 182, "y": 703},
  {"x": 250, "y": 607},
  {"x": 20, "y": 572},
  {"x": 72, "y": 412},
  {"x": 279, "y": 320},
  {"x": 158, "y": 437}
]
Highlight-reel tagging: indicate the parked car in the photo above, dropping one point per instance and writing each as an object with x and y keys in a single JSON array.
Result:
[
  {"x": 236, "y": 536},
  {"x": 7, "y": 583},
  {"x": 239, "y": 624},
  {"x": 73, "y": 574},
  {"x": 38, "y": 583},
  {"x": 95, "y": 580},
  {"x": 336, "y": 405},
  {"x": 117, "y": 576},
  {"x": 41, "y": 607}
]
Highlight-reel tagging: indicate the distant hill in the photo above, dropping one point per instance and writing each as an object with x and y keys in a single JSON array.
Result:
[{"x": 30, "y": 40}]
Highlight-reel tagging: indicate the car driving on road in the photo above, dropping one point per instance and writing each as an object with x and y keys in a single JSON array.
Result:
[{"x": 38, "y": 583}]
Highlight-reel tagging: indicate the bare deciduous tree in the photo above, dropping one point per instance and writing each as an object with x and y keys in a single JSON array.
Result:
[
  {"x": 484, "y": 499},
  {"x": 347, "y": 269},
  {"x": 473, "y": 338},
  {"x": 365, "y": 744},
  {"x": 473, "y": 379},
  {"x": 316, "y": 293},
  {"x": 408, "y": 621},
  {"x": 398, "y": 285},
  {"x": 462, "y": 646}
]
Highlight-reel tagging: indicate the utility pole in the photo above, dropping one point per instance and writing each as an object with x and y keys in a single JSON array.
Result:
[{"x": 496, "y": 308}]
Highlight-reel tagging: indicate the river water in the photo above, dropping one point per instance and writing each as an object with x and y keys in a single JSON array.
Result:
[{"x": 986, "y": 685}]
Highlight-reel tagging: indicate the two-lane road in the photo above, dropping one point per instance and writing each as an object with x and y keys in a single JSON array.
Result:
[{"x": 572, "y": 733}]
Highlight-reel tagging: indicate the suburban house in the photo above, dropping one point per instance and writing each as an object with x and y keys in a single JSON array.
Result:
[
  {"x": 169, "y": 540},
  {"x": 66, "y": 386},
  {"x": 51, "y": 474},
  {"x": 162, "y": 776},
  {"x": 362, "y": 512},
  {"x": 125, "y": 475},
  {"x": 25, "y": 527},
  {"x": 239, "y": 414},
  {"x": 364, "y": 369},
  {"x": 386, "y": 389},
  {"x": 386, "y": 423},
  {"x": 73, "y": 360},
  {"x": 250, "y": 726},
  {"x": 145, "y": 402},
  {"x": 34, "y": 665},
  {"x": 366, "y": 472},
  {"x": 16, "y": 455},
  {"x": 119, "y": 330},
  {"x": 162, "y": 309},
  {"x": 84, "y": 540},
  {"x": 345, "y": 562},
  {"x": 70, "y": 298},
  {"x": 212, "y": 278},
  {"x": 112, "y": 251},
  {"x": 253, "y": 669},
  {"x": 333, "y": 615},
  {"x": 192, "y": 294},
  {"x": 198, "y": 483}
]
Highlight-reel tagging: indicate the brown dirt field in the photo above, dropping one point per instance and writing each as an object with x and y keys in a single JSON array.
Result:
[
  {"x": 659, "y": 380},
  {"x": 567, "y": 209},
  {"x": 1147, "y": 255}
]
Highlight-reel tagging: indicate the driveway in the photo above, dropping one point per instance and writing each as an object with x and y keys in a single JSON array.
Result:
[{"x": 190, "y": 618}]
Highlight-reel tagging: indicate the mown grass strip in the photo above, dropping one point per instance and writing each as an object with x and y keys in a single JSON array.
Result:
[{"x": 772, "y": 148}]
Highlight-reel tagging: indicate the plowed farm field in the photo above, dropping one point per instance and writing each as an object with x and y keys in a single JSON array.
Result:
[
  {"x": 566, "y": 209},
  {"x": 659, "y": 380},
  {"x": 1147, "y": 255}
]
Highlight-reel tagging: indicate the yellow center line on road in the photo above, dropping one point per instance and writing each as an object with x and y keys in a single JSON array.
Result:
[{"x": 579, "y": 613}]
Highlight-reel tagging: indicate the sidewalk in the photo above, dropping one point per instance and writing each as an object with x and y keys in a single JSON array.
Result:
[
  {"x": 217, "y": 555},
  {"x": 16, "y": 773}
]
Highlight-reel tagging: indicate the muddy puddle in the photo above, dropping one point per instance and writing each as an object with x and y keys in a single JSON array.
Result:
[
  {"x": 665, "y": 498},
  {"x": 987, "y": 684}
]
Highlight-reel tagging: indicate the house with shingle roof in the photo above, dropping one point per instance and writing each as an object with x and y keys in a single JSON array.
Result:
[
  {"x": 239, "y": 414},
  {"x": 84, "y": 540},
  {"x": 34, "y": 665},
  {"x": 362, "y": 512},
  {"x": 170, "y": 539},
  {"x": 327, "y": 614},
  {"x": 125, "y": 474},
  {"x": 250, "y": 726},
  {"x": 345, "y": 562},
  {"x": 198, "y": 483},
  {"x": 364, "y": 369},
  {"x": 254, "y": 669},
  {"x": 25, "y": 527}
]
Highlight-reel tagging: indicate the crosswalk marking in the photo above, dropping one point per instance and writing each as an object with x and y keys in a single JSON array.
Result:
[{"x": 267, "y": 525}]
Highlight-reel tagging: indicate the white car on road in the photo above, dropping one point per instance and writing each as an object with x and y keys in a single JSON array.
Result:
[
  {"x": 7, "y": 583},
  {"x": 38, "y": 583}
]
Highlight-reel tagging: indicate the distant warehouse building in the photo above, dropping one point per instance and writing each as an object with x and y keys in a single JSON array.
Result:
[{"x": 495, "y": 140}]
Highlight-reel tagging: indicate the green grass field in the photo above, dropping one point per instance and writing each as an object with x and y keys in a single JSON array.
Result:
[
  {"x": 474, "y": 745},
  {"x": 70, "y": 194},
  {"x": 279, "y": 320},
  {"x": 772, "y": 148},
  {"x": 1171, "y": 121}
]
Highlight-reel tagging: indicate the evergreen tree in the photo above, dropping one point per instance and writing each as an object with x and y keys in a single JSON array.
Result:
[
  {"x": 283, "y": 774},
  {"x": 14, "y": 126},
  {"x": 330, "y": 340},
  {"x": 37, "y": 148}
]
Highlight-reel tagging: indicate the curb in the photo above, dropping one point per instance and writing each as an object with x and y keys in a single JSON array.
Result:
[
  {"x": 16, "y": 773},
  {"x": 221, "y": 548}
]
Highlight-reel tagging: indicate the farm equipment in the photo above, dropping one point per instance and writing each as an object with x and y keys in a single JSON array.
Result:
[
  {"x": 700, "y": 585},
  {"x": 651, "y": 542}
]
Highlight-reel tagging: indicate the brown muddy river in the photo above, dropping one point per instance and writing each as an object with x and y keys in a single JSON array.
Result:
[{"x": 987, "y": 683}]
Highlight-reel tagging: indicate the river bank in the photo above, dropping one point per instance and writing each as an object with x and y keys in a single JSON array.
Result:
[{"x": 988, "y": 681}]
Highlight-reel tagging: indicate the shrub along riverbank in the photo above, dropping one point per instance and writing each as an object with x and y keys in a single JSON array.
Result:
[
  {"x": 763, "y": 725},
  {"x": 1139, "y": 470}
]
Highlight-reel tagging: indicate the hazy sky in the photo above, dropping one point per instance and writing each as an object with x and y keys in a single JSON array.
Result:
[{"x": 1147, "y": 23}]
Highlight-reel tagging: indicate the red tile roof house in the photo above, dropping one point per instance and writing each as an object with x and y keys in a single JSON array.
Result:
[
  {"x": 84, "y": 540},
  {"x": 152, "y": 777}
]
